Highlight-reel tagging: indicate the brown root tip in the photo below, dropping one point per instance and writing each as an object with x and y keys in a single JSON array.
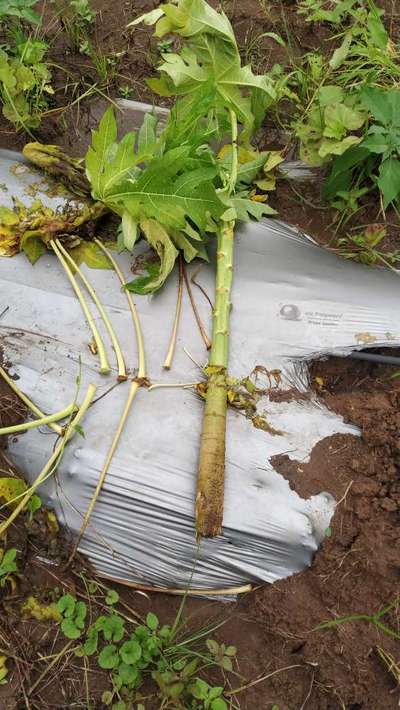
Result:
[{"x": 122, "y": 378}]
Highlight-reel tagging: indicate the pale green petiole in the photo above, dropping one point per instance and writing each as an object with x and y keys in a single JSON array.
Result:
[
  {"x": 28, "y": 402},
  {"x": 54, "y": 458},
  {"x": 48, "y": 419},
  {"x": 134, "y": 386},
  {"x": 117, "y": 348},
  {"x": 104, "y": 364}
]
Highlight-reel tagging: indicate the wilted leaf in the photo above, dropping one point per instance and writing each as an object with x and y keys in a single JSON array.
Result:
[
  {"x": 32, "y": 246},
  {"x": 161, "y": 242}
]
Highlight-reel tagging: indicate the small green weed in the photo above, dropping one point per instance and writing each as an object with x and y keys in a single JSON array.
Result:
[
  {"x": 363, "y": 247},
  {"x": 376, "y": 159},
  {"x": 74, "y": 615},
  {"x": 375, "y": 619},
  {"x": 77, "y": 23},
  {"x": 7, "y": 565},
  {"x": 25, "y": 79},
  {"x": 125, "y": 91},
  {"x": 151, "y": 650},
  {"x": 11, "y": 10},
  {"x": 333, "y": 12}
]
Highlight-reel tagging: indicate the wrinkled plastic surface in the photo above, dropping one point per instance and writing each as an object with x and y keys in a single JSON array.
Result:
[{"x": 292, "y": 301}]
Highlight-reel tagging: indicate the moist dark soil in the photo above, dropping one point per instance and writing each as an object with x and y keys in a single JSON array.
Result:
[{"x": 357, "y": 569}]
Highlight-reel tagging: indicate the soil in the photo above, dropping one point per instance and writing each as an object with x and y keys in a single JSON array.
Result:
[{"x": 357, "y": 569}]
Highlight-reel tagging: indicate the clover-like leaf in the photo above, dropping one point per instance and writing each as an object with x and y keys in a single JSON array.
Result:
[
  {"x": 66, "y": 605},
  {"x": 128, "y": 674},
  {"x": 113, "y": 628},
  {"x": 112, "y": 597},
  {"x": 130, "y": 651},
  {"x": 152, "y": 621},
  {"x": 108, "y": 657},
  {"x": 69, "y": 629}
]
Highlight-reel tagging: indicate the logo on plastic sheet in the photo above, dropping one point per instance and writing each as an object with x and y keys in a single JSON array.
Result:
[{"x": 290, "y": 312}]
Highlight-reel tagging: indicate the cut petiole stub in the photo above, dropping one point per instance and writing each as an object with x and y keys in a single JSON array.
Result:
[
  {"x": 104, "y": 364},
  {"x": 28, "y": 403},
  {"x": 134, "y": 386},
  {"x": 54, "y": 459},
  {"x": 108, "y": 325},
  {"x": 42, "y": 421},
  {"x": 172, "y": 343}
]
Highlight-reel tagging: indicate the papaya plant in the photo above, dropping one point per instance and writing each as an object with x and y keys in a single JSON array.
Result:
[{"x": 188, "y": 185}]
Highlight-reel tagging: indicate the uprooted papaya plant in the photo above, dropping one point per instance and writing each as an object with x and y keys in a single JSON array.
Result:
[{"x": 187, "y": 185}]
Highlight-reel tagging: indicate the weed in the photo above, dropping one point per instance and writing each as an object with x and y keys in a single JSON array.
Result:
[
  {"x": 77, "y": 23},
  {"x": 376, "y": 159},
  {"x": 374, "y": 619},
  {"x": 125, "y": 91},
  {"x": 3, "y": 670},
  {"x": 152, "y": 650},
  {"x": 363, "y": 247},
  {"x": 7, "y": 565},
  {"x": 333, "y": 12},
  {"x": 104, "y": 64},
  {"x": 20, "y": 10},
  {"x": 25, "y": 79}
]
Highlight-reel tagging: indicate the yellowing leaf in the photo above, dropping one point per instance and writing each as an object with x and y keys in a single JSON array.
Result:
[
  {"x": 90, "y": 254},
  {"x": 259, "y": 198},
  {"x": 52, "y": 522},
  {"x": 7, "y": 216},
  {"x": 32, "y": 608},
  {"x": 332, "y": 147},
  {"x": 269, "y": 183},
  {"x": 11, "y": 488},
  {"x": 33, "y": 246},
  {"x": 274, "y": 159}
]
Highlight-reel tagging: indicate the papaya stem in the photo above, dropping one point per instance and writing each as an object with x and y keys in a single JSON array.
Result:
[{"x": 211, "y": 473}]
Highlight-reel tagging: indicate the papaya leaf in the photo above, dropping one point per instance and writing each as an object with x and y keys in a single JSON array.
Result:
[
  {"x": 169, "y": 190},
  {"x": 96, "y": 157},
  {"x": 90, "y": 254},
  {"x": 162, "y": 244},
  {"x": 32, "y": 245}
]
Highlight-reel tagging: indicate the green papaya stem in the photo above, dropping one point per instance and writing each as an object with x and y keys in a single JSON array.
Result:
[
  {"x": 211, "y": 476},
  {"x": 234, "y": 163},
  {"x": 211, "y": 473}
]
